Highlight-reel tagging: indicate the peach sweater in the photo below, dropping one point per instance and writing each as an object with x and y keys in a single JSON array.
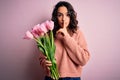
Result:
[{"x": 71, "y": 54}]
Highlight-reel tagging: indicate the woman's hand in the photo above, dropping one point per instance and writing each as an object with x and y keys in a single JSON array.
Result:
[
  {"x": 46, "y": 64},
  {"x": 63, "y": 31}
]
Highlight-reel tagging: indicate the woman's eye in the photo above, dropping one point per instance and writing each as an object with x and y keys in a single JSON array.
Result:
[
  {"x": 59, "y": 15},
  {"x": 68, "y": 14}
]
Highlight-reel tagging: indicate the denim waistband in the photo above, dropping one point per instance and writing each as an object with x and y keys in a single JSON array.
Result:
[{"x": 66, "y": 78}]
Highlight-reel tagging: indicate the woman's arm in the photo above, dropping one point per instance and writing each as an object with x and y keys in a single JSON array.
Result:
[{"x": 77, "y": 48}]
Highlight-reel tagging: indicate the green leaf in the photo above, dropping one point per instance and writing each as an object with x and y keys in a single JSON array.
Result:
[
  {"x": 51, "y": 38},
  {"x": 41, "y": 49}
]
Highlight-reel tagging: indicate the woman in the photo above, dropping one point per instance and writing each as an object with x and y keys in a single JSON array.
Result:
[{"x": 71, "y": 49}]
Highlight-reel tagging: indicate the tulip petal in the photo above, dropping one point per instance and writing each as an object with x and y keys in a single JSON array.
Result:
[
  {"x": 28, "y": 35},
  {"x": 49, "y": 25}
]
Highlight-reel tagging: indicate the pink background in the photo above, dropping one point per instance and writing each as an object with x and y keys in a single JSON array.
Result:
[{"x": 98, "y": 19}]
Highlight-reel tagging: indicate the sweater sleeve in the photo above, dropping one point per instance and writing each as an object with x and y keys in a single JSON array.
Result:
[{"x": 77, "y": 49}]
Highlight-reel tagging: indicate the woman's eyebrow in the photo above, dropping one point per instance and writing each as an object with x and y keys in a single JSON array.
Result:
[
  {"x": 59, "y": 12},
  {"x": 62, "y": 13}
]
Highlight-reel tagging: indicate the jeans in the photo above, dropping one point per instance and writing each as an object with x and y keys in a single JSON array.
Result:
[{"x": 66, "y": 78}]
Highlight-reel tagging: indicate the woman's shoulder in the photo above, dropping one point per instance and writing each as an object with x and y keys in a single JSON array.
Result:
[{"x": 79, "y": 31}]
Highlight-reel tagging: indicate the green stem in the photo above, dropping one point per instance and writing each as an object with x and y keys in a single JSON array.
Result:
[
  {"x": 38, "y": 42},
  {"x": 54, "y": 72}
]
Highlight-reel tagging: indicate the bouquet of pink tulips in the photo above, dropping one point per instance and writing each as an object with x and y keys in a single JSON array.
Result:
[{"x": 43, "y": 35}]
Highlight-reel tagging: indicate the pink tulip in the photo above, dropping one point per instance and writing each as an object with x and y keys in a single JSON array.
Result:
[
  {"x": 43, "y": 28},
  {"x": 49, "y": 25},
  {"x": 34, "y": 34},
  {"x": 28, "y": 35},
  {"x": 35, "y": 31}
]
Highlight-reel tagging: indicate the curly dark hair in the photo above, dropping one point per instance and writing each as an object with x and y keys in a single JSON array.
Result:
[{"x": 73, "y": 21}]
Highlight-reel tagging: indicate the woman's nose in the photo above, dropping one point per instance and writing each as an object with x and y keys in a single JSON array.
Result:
[{"x": 63, "y": 18}]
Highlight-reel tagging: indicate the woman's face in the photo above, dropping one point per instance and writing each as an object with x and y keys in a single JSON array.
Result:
[{"x": 63, "y": 17}]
